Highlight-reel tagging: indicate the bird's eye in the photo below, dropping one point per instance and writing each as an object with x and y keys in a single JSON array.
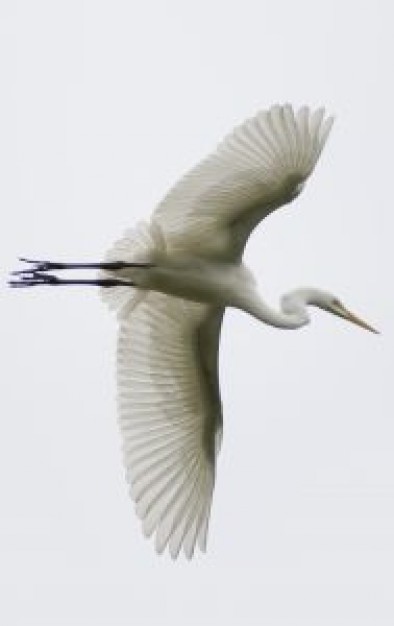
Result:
[{"x": 336, "y": 302}]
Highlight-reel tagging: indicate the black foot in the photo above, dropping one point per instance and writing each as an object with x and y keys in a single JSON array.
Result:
[
  {"x": 31, "y": 278},
  {"x": 37, "y": 266}
]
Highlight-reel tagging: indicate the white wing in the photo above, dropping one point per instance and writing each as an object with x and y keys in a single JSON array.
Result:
[
  {"x": 170, "y": 416},
  {"x": 261, "y": 165}
]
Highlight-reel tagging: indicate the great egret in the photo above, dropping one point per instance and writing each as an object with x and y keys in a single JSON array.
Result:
[{"x": 170, "y": 281}]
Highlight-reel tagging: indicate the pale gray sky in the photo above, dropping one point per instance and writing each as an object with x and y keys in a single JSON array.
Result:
[{"x": 104, "y": 105}]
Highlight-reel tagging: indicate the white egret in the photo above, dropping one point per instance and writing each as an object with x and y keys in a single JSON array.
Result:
[{"x": 170, "y": 281}]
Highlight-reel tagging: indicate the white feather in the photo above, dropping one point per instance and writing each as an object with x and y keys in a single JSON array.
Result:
[
  {"x": 169, "y": 402},
  {"x": 166, "y": 419},
  {"x": 261, "y": 165}
]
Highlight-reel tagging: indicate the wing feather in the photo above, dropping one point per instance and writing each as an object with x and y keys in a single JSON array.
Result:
[
  {"x": 261, "y": 165},
  {"x": 169, "y": 399},
  {"x": 170, "y": 416}
]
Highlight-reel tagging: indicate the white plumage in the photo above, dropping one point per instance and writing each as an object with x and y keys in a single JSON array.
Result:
[
  {"x": 167, "y": 420},
  {"x": 170, "y": 281},
  {"x": 169, "y": 402},
  {"x": 258, "y": 167}
]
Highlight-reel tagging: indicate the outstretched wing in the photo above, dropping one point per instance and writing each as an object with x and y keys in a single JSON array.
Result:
[
  {"x": 170, "y": 416},
  {"x": 261, "y": 165}
]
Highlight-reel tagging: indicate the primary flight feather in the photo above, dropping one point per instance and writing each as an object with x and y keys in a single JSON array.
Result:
[{"x": 170, "y": 281}]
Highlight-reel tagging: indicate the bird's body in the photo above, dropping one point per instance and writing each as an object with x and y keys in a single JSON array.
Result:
[
  {"x": 196, "y": 279},
  {"x": 170, "y": 282}
]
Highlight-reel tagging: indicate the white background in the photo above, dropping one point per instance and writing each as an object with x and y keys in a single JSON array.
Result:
[{"x": 104, "y": 104}]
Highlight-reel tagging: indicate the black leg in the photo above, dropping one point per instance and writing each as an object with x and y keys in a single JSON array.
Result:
[
  {"x": 47, "y": 266},
  {"x": 37, "y": 278}
]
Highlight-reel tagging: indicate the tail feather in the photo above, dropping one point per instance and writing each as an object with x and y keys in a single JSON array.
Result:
[{"x": 138, "y": 245}]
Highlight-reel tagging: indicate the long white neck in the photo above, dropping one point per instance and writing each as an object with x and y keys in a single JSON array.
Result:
[{"x": 293, "y": 313}]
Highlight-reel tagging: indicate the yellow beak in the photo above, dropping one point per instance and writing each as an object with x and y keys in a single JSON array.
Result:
[{"x": 347, "y": 315}]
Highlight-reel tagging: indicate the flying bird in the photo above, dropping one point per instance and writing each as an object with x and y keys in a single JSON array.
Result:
[{"x": 170, "y": 281}]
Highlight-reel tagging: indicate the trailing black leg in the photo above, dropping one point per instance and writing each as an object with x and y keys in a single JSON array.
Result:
[
  {"x": 37, "y": 274},
  {"x": 47, "y": 266},
  {"x": 35, "y": 278}
]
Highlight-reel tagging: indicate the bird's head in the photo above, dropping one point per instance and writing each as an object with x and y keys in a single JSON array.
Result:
[
  {"x": 328, "y": 302},
  {"x": 295, "y": 302}
]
